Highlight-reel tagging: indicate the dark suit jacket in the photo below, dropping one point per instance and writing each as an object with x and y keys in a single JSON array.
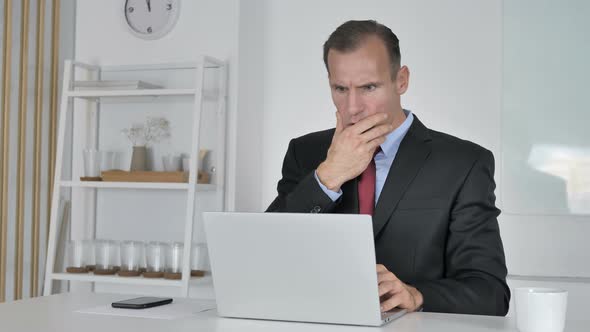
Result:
[{"x": 434, "y": 224}]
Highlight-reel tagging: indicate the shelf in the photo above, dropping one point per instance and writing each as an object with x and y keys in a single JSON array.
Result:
[
  {"x": 131, "y": 93},
  {"x": 137, "y": 185},
  {"x": 126, "y": 185},
  {"x": 208, "y": 63},
  {"x": 114, "y": 279},
  {"x": 136, "y": 95}
]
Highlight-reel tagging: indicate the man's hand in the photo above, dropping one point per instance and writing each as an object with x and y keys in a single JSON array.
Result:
[
  {"x": 352, "y": 149},
  {"x": 394, "y": 293}
]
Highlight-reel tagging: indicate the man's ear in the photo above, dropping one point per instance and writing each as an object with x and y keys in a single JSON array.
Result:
[{"x": 402, "y": 80}]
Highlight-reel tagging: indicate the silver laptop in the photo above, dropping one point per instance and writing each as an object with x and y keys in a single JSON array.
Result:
[{"x": 295, "y": 267}]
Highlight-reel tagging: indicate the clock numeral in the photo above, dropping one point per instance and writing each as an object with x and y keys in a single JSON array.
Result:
[
  {"x": 149, "y": 29},
  {"x": 168, "y": 6},
  {"x": 131, "y": 9}
]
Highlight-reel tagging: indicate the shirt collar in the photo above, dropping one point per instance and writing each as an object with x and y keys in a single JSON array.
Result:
[{"x": 393, "y": 139}]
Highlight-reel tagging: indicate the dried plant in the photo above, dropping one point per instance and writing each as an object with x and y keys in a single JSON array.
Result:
[
  {"x": 135, "y": 134},
  {"x": 156, "y": 129},
  {"x": 153, "y": 130}
]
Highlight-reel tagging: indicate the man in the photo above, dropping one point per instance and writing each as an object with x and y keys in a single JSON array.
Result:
[{"x": 431, "y": 195}]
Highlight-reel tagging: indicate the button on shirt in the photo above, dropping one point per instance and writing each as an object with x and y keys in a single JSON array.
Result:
[{"x": 383, "y": 159}]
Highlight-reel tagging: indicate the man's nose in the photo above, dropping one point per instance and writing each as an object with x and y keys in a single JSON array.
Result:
[{"x": 353, "y": 103}]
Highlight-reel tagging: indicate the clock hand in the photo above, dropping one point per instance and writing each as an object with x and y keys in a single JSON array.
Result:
[{"x": 149, "y": 5}]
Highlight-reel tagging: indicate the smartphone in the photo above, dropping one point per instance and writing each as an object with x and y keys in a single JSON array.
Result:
[{"x": 141, "y": 302}]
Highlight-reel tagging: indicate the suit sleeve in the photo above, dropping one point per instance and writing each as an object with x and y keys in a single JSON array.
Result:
[
  {"x": 298, "y": 190},
  {"x": 475, "y": 276}
]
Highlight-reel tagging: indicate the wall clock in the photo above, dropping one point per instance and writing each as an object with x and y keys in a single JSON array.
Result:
[{"x": 151, "y": 19}]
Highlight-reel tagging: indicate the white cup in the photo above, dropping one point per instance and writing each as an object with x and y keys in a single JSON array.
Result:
[
  {"x": 76, "y": 254},
  {"x": 186, "y": 161},
  {"x": 130, "y": 253},
  {"x": 540, "y": 309},
  {"x": 199, "y": 256},
  {"x": 174, "y": 257},
  {"x": 107, "y": 160},
  {"x": 89, "y": 252},
  {"x": 106, "y": 254},
  {"x": 155, "y": 257},
  {"x": 171, "y": 163},
  {"x": 91, "y": 163}
]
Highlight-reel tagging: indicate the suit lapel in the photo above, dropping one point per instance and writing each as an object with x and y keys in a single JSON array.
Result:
[{"x": 412, "y": 153}]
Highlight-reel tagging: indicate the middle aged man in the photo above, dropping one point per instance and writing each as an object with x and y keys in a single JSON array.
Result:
[{"x": 431, "y": 195}]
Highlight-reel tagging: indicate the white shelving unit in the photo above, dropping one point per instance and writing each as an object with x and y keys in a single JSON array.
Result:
[{"x": 191, "y": 189}]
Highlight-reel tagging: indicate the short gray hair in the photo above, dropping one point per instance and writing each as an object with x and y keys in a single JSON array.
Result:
[{"x": 350, "y": 35}]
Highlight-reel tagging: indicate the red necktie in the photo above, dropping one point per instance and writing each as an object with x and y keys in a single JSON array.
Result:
[{"x": 366, "y": 187}]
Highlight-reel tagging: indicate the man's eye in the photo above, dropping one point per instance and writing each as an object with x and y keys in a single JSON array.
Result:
[
  {"x": 369, "y": 87},
  {"x": 339, "y": 89}
]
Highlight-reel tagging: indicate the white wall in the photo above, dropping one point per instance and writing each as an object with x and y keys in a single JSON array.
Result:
[{"x": 251, "y": 98}]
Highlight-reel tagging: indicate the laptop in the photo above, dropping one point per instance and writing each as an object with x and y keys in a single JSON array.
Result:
[{"x": 295, "y": 267}]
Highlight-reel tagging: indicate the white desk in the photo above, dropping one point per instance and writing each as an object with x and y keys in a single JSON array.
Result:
[{"x": 57, "y": 313}]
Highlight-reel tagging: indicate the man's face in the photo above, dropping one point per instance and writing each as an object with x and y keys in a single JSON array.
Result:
[{"x": 362, "y": 84}]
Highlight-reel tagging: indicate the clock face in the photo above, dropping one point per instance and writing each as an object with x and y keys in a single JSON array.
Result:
[{"x": 151, "y": 19}]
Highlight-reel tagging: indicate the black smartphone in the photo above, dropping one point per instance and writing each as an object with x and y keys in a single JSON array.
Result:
[{"x": 141, "y": 302}]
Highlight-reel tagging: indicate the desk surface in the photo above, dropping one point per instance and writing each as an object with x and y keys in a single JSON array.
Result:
[{"x": 57, "y": 313}]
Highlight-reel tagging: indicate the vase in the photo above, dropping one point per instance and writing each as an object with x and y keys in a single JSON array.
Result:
[{"x": 139, "y": 159}]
